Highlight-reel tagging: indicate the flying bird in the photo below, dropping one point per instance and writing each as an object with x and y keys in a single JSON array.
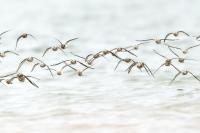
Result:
[
  {"x": 24, "y": 35},
  {"x": 176, "y": 34}
]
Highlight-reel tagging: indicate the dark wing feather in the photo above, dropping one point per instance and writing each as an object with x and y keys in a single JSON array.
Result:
[
  {"x": 4, "y": 32},
  {"x": 147, "y": 68},
  {"x": 146, "y": 40},
  {"x": 159, "y": 54},
  {"x": 59, "y": 41},
  {"x": 34, "y": 66},
  {"x": 194, "y": 76},
  {"x": 46, "y": 51},
  {"x": 167, "y": 36},
  {"x": 31, "y": 82},
  {"x": 70, "y": 40},
  {"x": 183, "y": 32},
  {"x": 175, "y": 68},
  {"x": 32, "y": 36},
  {"x": 118, "y": 64},
  {"x": 49, "y": 70},
  {"x": 193, "y": 47},
  {"x": 18, "y": 41},
  {"x": 173, "y": 52},
  {"x": 77, "y": 55},
  {"x": 130, "y": 52},
  {"x": 159, "y": 68},
  {"x": 20, "y": 64},
  {"x": 5, "y": 52},
  {"x": 175, "y": 77},
  {"x": 7, "y": 75},
  {"x": 85, "y": 65}
]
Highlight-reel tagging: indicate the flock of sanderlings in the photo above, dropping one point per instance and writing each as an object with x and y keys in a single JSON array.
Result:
[{"x": 87, "y": 62}]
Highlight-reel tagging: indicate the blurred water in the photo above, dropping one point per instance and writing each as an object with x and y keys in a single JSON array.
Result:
[{"x": 102, "y": 100}]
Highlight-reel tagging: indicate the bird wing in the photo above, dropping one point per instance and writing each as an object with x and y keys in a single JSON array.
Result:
[
  {"x": 173, "y": 52},
  {"x": 5, "y": 52},
  {"x": 159, "y": 54},
  {"x": 183, "y": 32},
  {"x": 158, "y": 68},
  {"x": 148, "y": 70},
  {"x": 46, "y": 51},
  {"x": 4, "y": 32},
  {"x": 194, "y": 76},
  {"x": 167, "y": 36},
  {"x": 193, "y": 47},
  {"x": 70, "y": 40},
  {"x": 7, "y": 75},
  {"x": 175, "y": 77},
  {"x": 34, "y": 66},
  {"x": 18, "y": 41},
  {"x": 146, "y": 40},
  {"x": 31, "y": 82},
  {"x": 32, "y": 36},
  {"x": 20, "y": 64}
]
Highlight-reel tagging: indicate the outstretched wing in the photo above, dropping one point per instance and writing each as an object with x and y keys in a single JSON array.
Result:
[
  {"x": 146, "y": 40},
  {"x": 193, "y": 47},
  {"x": 175, "y": 77},
  {"x": 4, "y": 32},
  {"x": 34, "y": 66},
  {"x": 194, "y": 76},
  {"x": 20, "y": 64},
  {"x": 38, "y": 60},
  {"x": 70, "y": 40},
  {"x": 18, "y": 41},
  {"x": 159, "y": 68},
  {"x": 5, "y": 52},
  {"x": 173, "y": 52},
  {"x": 148, "y": 70},
  {"x": 62, "y": 51},
  {"x": 130, "y": 67},
  {"x": 86, "y": 58},
  {"x": 44, "y": 64},
  {"x": 32, "y": 36},
  {"x": 173, "y": 47},
  {"x": 46, "y": 51},
  {"x": 1, "y": 81},
  {"x": 183, "y": 32},
  {"x": 167, "y": 36},
  {"x": 175, "y": 68},
  {"x": 85, "y": 65},
  {"x": 130, "y": 52},
  {"x": 67, "y": 65},
  {"x": 77, "y": 55},
  {"x": 115, "y": 55},
  {"x": 31, "y": 82},
  {"x": 7, "y": 75},
  {"x": 118, "y": 64},
  {"x": 49, "y": 70},
  {"x": 59, "y": 41},
  {"x": 159, "y": 54}
]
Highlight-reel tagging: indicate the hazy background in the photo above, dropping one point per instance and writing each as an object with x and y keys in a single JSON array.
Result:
[{"x": 102, "y": 100}]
